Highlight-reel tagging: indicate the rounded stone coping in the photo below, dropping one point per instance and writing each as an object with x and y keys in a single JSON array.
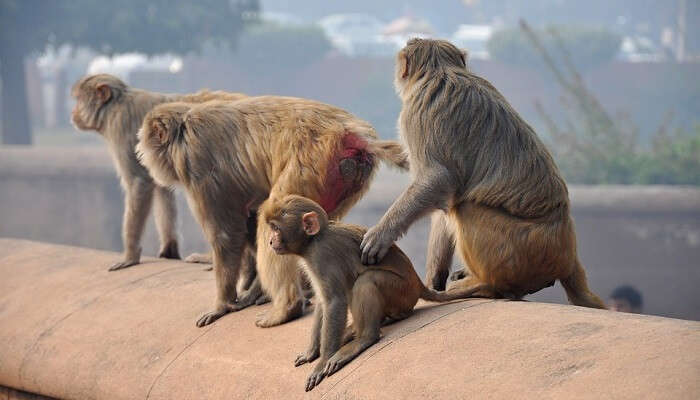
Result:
[{"x": 71, "y": 329}]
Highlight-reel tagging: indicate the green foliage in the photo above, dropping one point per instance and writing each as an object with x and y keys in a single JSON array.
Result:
[
  {"x": 595, "y": 147},
  {"x": 601, "y": 158},
  {"x": 672, "y": 159},
  {"x": 265, "y": 48},
  {"x": 589, "y": 47}
]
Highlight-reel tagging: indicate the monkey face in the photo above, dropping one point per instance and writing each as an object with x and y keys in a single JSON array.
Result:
[
  {"x": 277, "y": 241},
  {"x": 77, "y": 120},
  {"x": 90, "y": 100},
  {"x": 293, "y": 222},
  {"x": 84, "y": 115}
]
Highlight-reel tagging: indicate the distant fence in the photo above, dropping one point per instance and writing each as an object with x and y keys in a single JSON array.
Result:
[{"x": 647, "y": 236}]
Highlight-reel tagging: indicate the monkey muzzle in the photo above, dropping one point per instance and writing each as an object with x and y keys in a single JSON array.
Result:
[{"x": 279, "y": 249}]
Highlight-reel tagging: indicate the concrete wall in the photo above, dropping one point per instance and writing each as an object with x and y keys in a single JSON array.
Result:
[{"x": 645, "y": 236}]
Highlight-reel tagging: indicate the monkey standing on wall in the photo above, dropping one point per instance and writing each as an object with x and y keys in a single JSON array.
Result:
[
  {"x": 386, "y": 292},
  {"x": 500, "y": 196},
  {"x": 107, "y": 105},
  {"x": 230, "y": 156}
]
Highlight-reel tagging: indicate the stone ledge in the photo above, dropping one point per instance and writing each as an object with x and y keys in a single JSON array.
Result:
[{"x": 70, "y": 329}]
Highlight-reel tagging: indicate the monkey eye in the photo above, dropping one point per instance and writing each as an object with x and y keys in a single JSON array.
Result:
[{"x": 274, "y": 227}]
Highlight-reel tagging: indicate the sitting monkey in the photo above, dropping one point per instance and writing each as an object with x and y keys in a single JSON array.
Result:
[{"x": 377, "y": 294}]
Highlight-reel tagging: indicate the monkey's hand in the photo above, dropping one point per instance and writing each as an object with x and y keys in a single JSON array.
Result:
[
  {"x": 123, "y": 264},
  {"x": 306, "y": 357},
  {"x": 220, "y": 311},
  {"x": 316, "y": 377},
  {"x": 375, "y": 244}
]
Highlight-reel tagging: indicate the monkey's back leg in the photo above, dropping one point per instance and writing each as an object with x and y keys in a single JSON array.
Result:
[
  {"x": 514, "y": 256},
  {"x": 367, "y": 307}
]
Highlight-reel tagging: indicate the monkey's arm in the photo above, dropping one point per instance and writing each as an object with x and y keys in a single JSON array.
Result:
[
  {"x": 441, "y": 247},
  {"x": 314, "y": 349},
  {"x": 429, "y": 190},
  {"x": 139, "y": 197},
  {"x": 335, "y": 314}
]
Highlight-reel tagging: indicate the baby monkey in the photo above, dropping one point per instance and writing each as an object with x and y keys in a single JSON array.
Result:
[{"x": 376, "y": 294}]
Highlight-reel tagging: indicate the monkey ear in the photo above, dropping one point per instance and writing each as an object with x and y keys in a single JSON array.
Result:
[
  {"x": 310, "y": 223},
  {"x": 104, "y": 93},
  {"x": 403, "y": 64},
  {"x": 465, "y": 55}
]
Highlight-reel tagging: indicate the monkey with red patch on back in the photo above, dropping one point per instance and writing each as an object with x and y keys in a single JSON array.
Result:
[
  {"x": 231, "y": 156},
  {"x": 375, "y": 294}
]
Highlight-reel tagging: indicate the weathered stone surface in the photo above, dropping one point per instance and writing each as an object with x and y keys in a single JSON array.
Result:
[{"x": 70, "y": 329}]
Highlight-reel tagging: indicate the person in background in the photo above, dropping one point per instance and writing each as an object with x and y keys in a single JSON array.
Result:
[{"x": 626, "y": 298}]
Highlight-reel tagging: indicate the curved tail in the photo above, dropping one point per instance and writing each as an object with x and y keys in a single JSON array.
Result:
[
  {"x": 461, "y": 293},
  {"x": 576, "y": 286},
  {"x": 391, "y": 152}
]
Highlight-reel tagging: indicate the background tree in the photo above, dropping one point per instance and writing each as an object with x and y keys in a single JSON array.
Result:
[{"x": 146, "y": 26}]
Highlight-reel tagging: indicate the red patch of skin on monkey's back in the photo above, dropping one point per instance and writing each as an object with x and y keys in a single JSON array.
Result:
[{"x": 337, "y": 189}]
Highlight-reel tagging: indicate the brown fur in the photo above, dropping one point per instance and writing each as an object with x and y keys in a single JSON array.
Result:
[
  {"x": 500, "y": 196},
  {"x": 230, "y": 156},
  {"x": 107, "y": 105},
  {"x": 378, "y": 294}
]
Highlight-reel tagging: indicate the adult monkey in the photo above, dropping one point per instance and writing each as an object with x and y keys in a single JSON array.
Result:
[
  {"x": 107, "y": 105},
  {"x": 500, "y": 196},
  {"x": 230, "y": 156}
]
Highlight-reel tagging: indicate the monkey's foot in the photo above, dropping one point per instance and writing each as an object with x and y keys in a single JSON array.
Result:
[
  {"x": 335, "y": 363},
  {"x": 123, "y": 264},
  {"x": 170, "y": 250},
  {"x": 212, "y": 316},
  {"x": 306, "y": 357},
  {"x": 278, "y": 315},
  {"x": 199, "y": 258},
  {"x": 315, "y": 378},
  {"x": 375, "y": 244}
]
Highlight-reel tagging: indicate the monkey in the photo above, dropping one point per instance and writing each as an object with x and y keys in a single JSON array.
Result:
[
  {"x": 492, "y": 187},
  {"x": 231, "y": 156},
  {"x": 105, "y": 104},
  {"x": 377, "y": 294}
]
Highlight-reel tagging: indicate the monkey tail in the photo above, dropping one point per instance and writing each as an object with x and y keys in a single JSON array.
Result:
[
  {"x": 577, "y": 291},
  {"x": 391, "y": 152},
  {"x": 461, "y": 293}
]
